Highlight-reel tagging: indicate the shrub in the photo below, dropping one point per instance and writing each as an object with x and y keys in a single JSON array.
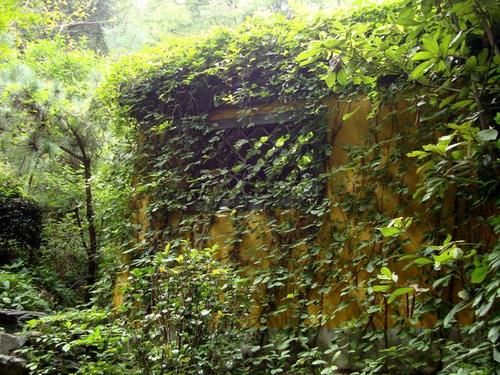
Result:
[
  {"x": 77, "y": 342},
  {"x": 185, "y": 313},
  {"x": 18, "y": 292}
]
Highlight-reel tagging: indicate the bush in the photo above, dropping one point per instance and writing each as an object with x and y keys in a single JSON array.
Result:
[
  {"x": 183, "y": 316},
  {"x": 185, "y": 313},
  {"x": 18, "y": 292},
  {"x": 77, "y": 342},
  {"x": 61, "y": 265}
]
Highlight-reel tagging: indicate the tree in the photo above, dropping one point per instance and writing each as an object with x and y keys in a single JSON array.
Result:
[{"x": 47, "y": 112}]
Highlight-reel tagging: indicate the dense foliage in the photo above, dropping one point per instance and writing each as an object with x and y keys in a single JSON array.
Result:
[
  {"x": 406, "y": 52},
  {"x": 387, "y": 263}
]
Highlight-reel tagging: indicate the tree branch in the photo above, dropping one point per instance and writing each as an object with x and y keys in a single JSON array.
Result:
[{"x": 68, "y": 151}]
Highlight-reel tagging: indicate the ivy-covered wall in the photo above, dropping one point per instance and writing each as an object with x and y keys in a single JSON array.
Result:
[
  {"x": 308, "y": 244},
  {"x": 348, "y": 166}
]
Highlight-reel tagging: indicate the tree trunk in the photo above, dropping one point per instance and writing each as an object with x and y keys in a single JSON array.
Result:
[{"x": 92, "y": 248}]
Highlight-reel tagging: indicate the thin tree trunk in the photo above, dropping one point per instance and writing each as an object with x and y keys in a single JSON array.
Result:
[
  {"x": 92, "y": 248},
  {"x": 92, "y": 267},
  {"x": 76, "y": 211}
]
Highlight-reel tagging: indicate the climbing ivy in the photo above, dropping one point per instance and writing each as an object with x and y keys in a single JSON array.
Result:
[{"x": 429, "y": 70}]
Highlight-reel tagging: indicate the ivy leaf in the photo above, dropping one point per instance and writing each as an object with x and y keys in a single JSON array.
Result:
[
  {"x": 451, "y": 314},
  {"x": 479, "y": 273},
  {"x": 486, "y": 135},
  {"x": 399, "y": 292},
  {"x": 381, "y": 288},
  {"x": 347, "y": 116}
]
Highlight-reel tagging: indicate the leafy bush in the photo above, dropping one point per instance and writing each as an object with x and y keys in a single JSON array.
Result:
[
  {"x": 18, "y": 292},
  {"x": 77, "y": 342},
  {"x": 183, "y": 316},
  {"x": 185, "y": 313},
  {"x": 61, "y": 265}
]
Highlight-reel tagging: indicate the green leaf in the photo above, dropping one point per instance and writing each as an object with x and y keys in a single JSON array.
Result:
[
  {"x": 447, "y": 101},
  {"x": 330, "y": 79},
  {"x": 451, "y": 314},
  {"x": 407, "y": 17},
  {"x": 331, "y": 43},
  {"x": 423, "y": 261},
  {"x": 445, "y": 45},
  {"x": 381, "y": 288},
  {"x": 461, "y": 104},
  {"x": 307, "y": 54},
  {"x": 493, "y": 334},
  {"x": 417, "y": 154},
  {"x": 496, "y": 354},
  {"x": 347, "y": 116},
  {"x": 386, "y": 271},
  {"x": 399, "y": 292},
  {"x": 486, "y": 135},
  {"x": 479, "y": 273},
  {"x": 342, "y": 77},
  {"x": 319, "y": 362},
  {"x": 389, "y": 231},
  {"x": 420, "y": 70},
  {"x": 423, "y": 55},
  {"x": 66, "y": 348},
  {"x": 205, "y": 312},
  {"x": 430, "y": 44},
  {"x": 442, "y": 280}
]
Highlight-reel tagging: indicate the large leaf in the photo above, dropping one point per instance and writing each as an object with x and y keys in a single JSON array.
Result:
[
  {"x": 422, "y": 55},
  {"x": 420, "y": 70},
  {"x": 330, "y": 78},
  {"x": 390, "y": 231},
  {"x": 342, "y": 77},
  {"x": 430, "y": 44},
  {"x": 487, "y": 135}
]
